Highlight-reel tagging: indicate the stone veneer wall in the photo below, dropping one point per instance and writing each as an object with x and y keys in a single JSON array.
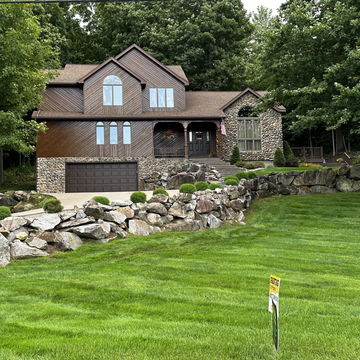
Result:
[
  {"x": 271, "y": 131},
  {"x": 51, "y": 171}
]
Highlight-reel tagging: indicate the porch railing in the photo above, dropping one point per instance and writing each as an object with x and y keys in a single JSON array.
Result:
[
  {"x": 312, "y": 154},
  {"x": 167, "y": 153}
]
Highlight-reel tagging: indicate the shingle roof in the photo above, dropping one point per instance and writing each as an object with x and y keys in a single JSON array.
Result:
[{"x": 72, "y": 73}]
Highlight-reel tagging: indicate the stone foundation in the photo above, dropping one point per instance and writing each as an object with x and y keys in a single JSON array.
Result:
[{"x": 152, "y": 172}]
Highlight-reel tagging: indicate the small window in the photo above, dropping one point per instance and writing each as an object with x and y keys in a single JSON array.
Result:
[
  {"x": 100, "y": 133},
  {"x": 113, "y": 133},
  {"x": 126, "y": 133},
  {"x": 161, "y": 98},
  {"x": 112, "y": 91},
  {"x": 246, "y": 111}
]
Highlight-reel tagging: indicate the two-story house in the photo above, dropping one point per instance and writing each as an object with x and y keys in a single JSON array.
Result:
[{"x": 109, "y": 125}]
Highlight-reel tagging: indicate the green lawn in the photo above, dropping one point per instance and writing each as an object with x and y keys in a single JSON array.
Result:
[
  {"x": 197, "y": 295},
  {"x": 271, "y": 170}
]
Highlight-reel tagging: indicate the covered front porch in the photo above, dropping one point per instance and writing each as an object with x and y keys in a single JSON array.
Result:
[{"x": 186, "y": 139}]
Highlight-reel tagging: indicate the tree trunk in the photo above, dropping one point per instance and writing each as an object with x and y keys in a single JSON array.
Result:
[{"x": 339, "y": 140}]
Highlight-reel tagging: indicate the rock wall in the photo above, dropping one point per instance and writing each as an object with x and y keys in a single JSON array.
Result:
[
  {"x": 23, "y": 237},
  {"x": 152, "y": 172},
  {"x": 270, "y": 126}
]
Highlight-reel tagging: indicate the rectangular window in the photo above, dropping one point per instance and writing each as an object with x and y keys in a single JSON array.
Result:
[
  {"x": 118, "y": 95},
  {"x": 107, "y": 94},
  {"x": 100, "y": 135},
  {"x": 249, "y": 135},
  {"x": 126, "y": 133},
  {"x": 153, "y": 98},
  {"x": 113, "y": 135},
  {"x": 161, "y": 98}
]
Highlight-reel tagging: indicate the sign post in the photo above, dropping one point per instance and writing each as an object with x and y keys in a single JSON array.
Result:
[{"x": 274, "y": 308}]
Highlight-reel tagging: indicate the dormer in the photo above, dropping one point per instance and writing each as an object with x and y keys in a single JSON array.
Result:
[
  {"x": 112, "y": 89},
  {"x": 165, "y": 85}
]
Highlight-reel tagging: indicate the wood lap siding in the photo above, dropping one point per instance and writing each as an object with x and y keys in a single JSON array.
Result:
[
  {"x": 155, "y": 77},
  {"x": 62, "y": 99},
  {"x": 78, "y": 139},
  {"x": 93, "y": 93}
]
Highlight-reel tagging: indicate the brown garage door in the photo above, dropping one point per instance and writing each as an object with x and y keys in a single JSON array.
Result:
[{"x": 101, "y": 177}]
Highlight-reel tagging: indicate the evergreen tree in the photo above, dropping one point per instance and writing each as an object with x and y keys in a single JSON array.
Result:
[
  {"x": 235, "y": 156},
  {"x": 279, "y": 158}
]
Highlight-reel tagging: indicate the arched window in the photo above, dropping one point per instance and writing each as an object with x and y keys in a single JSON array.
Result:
[
  {"x": 246, "y": 111},
  {"x": 126, "y": 133},
  {"x": 100, "y": 133},
  {"x": 113, "y": 133},
  {"x": 112, "y": 91}
]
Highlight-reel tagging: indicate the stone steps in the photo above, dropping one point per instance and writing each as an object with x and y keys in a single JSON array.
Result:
[{"x": 223, "y": 167}]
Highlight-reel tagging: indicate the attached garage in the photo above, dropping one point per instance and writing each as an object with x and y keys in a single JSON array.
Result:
[{"x": 101, "y": 177}]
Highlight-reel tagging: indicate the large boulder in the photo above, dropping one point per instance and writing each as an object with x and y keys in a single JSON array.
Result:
[
  {"x": 46, "y": 222},
  {"x": 315, "y": 177},
  {"x": 4, "y": 251},
  {"x": 355, "y": 172},
  {"x": 7, "y": 200},
  {"x": 159, "y": 198},
  {"x": 21, "y": 250},
  {"x": 127, "y": 211},
  {"x": 13, "y": 223},
  {"x": 115, "y": 216},
  {"x": 213, "y": 221},
  {"x": 93, "y": 231},
  {"x": 237, "y": 205},
  {"x": 154, "y": 219},
  {"x": 204, "y": 206},
  {"x": 140, "y": 227},
  {"x": 344, "y": 184},
  {"x": 94, "y": 210},
  {"x": 75, "y": 222},
  {"x": 178, "y": 210},
  {"x": 184, "y": 225},
  {"x": 67, "y": 241},
  {"x": 179, "y": 179},
  {"x": 156, "y": 208},
  {"x": 18, "y": 234},
  {"x": 36, "y": 242},
  {"x": 122, "y": 203},
  {"x": 319, "y": 189}
]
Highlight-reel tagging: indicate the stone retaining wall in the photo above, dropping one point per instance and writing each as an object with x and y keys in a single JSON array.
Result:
[{"x": 22, "y": 237}]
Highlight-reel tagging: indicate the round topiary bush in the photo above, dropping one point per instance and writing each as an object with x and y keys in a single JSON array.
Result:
[
  {"x": 4, "y": 212},
  {"x": 201, "y": 185},
  {"x": 240, "y": 163},
  {"x": 214, "y": 186},
  {"x": 187, "y": 188},
  {"x": 52, "y": 206},
  {"x": 160, "y": 191},
  {"x": 231, "y": 177},
  {"x": 231, "y": 182},
  {"x": 101, "y": 200},
  {"x": 138, "y": 197}
]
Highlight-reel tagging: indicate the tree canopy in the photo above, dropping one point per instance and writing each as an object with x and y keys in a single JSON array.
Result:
[{"x": 26, "y": 51}]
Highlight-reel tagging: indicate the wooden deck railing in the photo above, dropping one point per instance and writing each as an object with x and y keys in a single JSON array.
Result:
[{"x": 304, "y": 153}]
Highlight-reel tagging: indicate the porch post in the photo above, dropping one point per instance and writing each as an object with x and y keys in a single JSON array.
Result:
[{"x": 185, "y": 124}]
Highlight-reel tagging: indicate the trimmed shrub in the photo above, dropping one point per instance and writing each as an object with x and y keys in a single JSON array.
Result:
[
  {"x": 292, "y": 161},
  {"x": 214, "y": 186},
  {"x": 52, "y": 206},
  {"x": 4, "y": 212},
  {"x": 241, "y": 163},
  {"x": 138, "y": 197},
  {"x": 231, "y": 182},
  {"x": 245, "y": 175},
  {"x": 235, "y": 156},
  {"x": 279, "y": 159},
  {"x": 355, "y": 160},
  {"x": 288, "y": 153},
  {"x": 201, "y": 185},
  {"x": 101, "y": 200},
  {"x": 231, "y": 177},
  {"x": 187, "y": 188},
  {"x": 160, "y": 191}
]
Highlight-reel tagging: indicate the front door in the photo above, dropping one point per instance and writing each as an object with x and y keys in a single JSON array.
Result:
[{"x": 199, "y": 143}]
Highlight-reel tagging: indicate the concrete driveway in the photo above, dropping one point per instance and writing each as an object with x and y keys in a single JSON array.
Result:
[{"x": 69, "y": 200}]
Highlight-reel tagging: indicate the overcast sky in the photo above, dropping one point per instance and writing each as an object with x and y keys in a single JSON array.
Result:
[{"x": 251, "y": 5}]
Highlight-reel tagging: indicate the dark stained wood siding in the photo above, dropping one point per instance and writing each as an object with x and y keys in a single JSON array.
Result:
[
  {"x": 62, "y": 99},
  {"x": 155, "y": 77},
  {"x": 78, "y": 139},
  {"x": 93, "y": 93}
]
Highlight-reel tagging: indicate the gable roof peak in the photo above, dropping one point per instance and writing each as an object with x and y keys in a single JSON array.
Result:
[{"x": 155, "y": 61}]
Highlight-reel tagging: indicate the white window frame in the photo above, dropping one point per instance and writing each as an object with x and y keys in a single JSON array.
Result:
[
  {"x": 161, "y": 98},
  {"x": 113, "y": 133},
  {"x": 127, "y": 133},
  {"x": 100, "y": 133},
  {"x": 112, "y": 84}
]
